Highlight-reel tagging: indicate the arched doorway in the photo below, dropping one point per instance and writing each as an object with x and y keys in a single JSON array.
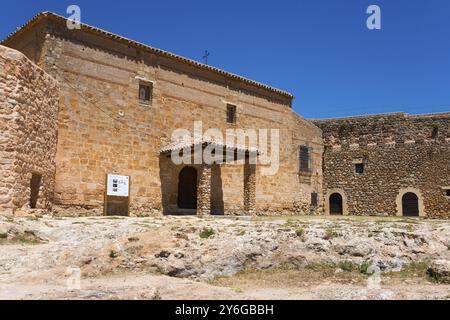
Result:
[
  {"x": 187, "y": 188},
  {"x": 336, "y": 204},
  {"x": 410, "y": 205}
]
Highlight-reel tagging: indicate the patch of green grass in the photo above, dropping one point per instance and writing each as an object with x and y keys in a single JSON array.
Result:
[
  {"x": 241, "y": 232},
  {"x": 113, "y": 254},
  {"x": 347, "y": 266},
  {"x": 413, "y": 270},
  {"x": 206, "y": 233},
  {"x": 364, "y": 267},
  {"x": 300, "y": 232},
  {"x": 330, "y": 233}
]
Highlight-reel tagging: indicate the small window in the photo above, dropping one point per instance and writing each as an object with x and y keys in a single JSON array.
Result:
[
  {"x": 314, "y": 199},
  {"x": 231, "y": 113},
  {"x": 146, "y": 93},
  {"x": 447, "y": 192},
  {"x": 359, "y": 168},
  {"x": 305, "y": 159}
]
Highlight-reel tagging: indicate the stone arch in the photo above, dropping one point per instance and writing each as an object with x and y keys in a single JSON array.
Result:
[
  {"x": 343, "y": 196},
  {"x": 400, "y": 198},
  {"x": 187, "y": 188}
]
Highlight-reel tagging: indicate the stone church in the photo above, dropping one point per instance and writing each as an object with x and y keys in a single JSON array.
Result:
[{"x": 83, "y": 109}]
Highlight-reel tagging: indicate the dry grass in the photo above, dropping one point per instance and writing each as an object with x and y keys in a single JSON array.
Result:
[{"x": 285, "y": 277}]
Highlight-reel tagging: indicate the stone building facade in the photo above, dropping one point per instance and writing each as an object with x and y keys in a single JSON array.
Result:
[
  {"x": 104, "y": 128},
  {"x": 28, "y": 133},
  {"x": 109, "y": 105},
  {"x": 391, "y": 164}
]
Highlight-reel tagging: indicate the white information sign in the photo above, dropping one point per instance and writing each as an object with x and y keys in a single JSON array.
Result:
[{"x": 118, "y": 186}]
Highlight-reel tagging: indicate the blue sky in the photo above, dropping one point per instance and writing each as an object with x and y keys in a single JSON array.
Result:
[{"x": 320, "y": 50}]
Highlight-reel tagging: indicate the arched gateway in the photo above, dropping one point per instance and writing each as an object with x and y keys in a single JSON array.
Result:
[
  {"x": 410, "y": 205},
  {"x": 336, "y": 204}
]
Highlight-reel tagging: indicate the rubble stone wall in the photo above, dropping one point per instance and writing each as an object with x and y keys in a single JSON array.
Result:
[
  {"x": 28, "y": 132},
  {"x": 401, "y": 153}
]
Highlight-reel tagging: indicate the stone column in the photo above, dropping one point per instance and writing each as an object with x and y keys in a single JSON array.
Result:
[
  {"x": 204, "y": 191},
  {"x": 249, "y": 187}
]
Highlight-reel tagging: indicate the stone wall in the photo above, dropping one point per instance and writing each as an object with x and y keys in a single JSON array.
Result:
[
  {"x": 401, "y": 153},
  {"x": 28, "y": 132},
  {"x": 104, "y": 129}
]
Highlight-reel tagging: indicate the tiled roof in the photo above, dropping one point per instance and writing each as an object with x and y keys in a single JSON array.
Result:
[
  {"x": 189, "y": 142},
  {"x": 115, "y": 37}
]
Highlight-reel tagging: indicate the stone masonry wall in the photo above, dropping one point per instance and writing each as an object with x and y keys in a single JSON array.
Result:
[
  {"x": 400, "y": 153},
  {"x": 104, "y": 129},
  {"x": 28, "y": 131}
]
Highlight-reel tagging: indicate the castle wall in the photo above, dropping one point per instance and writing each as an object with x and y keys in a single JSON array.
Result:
[
  {"x": 401, "y": 153},
  {"x": 104, "y": 129},
  {"x": 28, "y": 132}
]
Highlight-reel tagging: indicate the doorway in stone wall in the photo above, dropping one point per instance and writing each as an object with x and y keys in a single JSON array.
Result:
[
  {"x": 35, "y": 185},
  {"x": 336, "y": 204},
  {"x": 187, "y": 188},
  {"x": 410, "y": 205}
]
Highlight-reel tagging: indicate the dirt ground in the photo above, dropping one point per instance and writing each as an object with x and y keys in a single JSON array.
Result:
[{"x": 134, "y": 258}]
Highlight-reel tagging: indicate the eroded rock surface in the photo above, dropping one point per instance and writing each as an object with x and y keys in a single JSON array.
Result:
[{"x": 178, "y": 246}]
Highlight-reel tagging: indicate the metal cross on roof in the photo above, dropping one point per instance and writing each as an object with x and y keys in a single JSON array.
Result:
[{"x": 205, "y": 57}]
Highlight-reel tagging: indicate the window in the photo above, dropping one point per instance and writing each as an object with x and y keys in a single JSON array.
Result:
[
  {"x": 146, "y": 93},
  {"x": 231, "y": 113},
  {"x": 447, "y": 192},
  {"x": 305, "y": 159},
  {"x": 314, "y": 199},
  {"x": 359, "y": 168}
]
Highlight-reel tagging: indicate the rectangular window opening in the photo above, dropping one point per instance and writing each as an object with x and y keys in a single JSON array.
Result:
[
  {"x": 447, "y": 192},
  {"x": 359, "y": 168},
  {"x": 305, "y": 158},
  {"x": 146, "y": 93},
  {"x": 314, "y": 199},
  {"x": 35, "y": 185},
  {"x": 231, "y": 113}
]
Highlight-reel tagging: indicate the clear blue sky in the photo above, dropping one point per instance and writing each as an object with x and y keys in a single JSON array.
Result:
[{"x": 320, "y": 50}]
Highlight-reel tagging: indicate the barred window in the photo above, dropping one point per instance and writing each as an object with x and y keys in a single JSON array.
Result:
[
  {"x": 146, "y": 93},
  {"x": 231, "y": 113},
  {"x": 305, "y": 158}
]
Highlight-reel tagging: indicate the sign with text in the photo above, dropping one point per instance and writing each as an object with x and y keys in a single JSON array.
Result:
[{"x": 118, "y": 186}]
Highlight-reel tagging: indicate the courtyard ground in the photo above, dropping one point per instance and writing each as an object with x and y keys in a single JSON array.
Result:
[{"x": 224, "y": 258}]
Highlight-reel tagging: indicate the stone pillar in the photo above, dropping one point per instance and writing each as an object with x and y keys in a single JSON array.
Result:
[
  {"x": 249, "y": 187},
  {"x": 204, "y": 191}
]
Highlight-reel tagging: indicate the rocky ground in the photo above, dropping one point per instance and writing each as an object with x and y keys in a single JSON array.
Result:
[{"x": 224, "y": 258}]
